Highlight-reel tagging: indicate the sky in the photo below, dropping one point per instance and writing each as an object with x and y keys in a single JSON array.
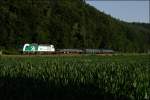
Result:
[{"x": 129, "y": 11}]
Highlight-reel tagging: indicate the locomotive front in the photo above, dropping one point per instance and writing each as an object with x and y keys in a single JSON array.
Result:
[{"x": 38, "y": 49}]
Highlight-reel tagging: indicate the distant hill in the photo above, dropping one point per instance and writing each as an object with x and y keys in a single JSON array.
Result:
[{"x": 67, "y": 24}]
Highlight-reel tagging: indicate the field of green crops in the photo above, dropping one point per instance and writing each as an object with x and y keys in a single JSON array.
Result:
[{"x": 118, "y": 77}]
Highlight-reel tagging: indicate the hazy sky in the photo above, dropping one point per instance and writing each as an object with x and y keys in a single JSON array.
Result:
[{"x": 130, "y": 11}]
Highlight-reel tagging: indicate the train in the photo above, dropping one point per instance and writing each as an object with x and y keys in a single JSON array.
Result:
[{"x": 34, "y": 48}]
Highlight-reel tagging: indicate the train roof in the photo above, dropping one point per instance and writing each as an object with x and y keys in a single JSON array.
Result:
[
  {"x": 99, "y": 50},
  {"x": 70, "y": 50},
  {"x": 45, "y": 44}
]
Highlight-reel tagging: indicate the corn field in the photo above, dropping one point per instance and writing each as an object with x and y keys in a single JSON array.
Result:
[{"x": 88, "y": 76}]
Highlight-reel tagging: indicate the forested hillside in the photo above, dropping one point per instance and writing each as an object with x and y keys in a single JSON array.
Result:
[{"x": 67, "y": 24}]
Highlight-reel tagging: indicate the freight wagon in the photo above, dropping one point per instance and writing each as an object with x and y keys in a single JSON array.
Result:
[{"x": 99, "y": 51}]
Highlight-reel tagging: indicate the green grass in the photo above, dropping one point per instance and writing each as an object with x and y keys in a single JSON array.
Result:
[{"x": 44, "y": 77}]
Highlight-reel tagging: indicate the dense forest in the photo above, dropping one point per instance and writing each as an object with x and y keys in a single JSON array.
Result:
[{"x": 67, "y": 24}]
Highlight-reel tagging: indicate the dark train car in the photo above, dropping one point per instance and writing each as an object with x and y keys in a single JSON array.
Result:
[
  {"x": 107, "y": 51},
  {"x": 98, "y": 51},
  {"x": 69, "y": 51}
]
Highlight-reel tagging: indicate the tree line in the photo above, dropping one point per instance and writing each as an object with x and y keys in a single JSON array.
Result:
[{"x": 67, "y": 24}]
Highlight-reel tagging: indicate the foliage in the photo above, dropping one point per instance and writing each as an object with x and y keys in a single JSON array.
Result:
[
  {"x": 44, "y": 77},
  {"x": 68, "y": 24}
]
